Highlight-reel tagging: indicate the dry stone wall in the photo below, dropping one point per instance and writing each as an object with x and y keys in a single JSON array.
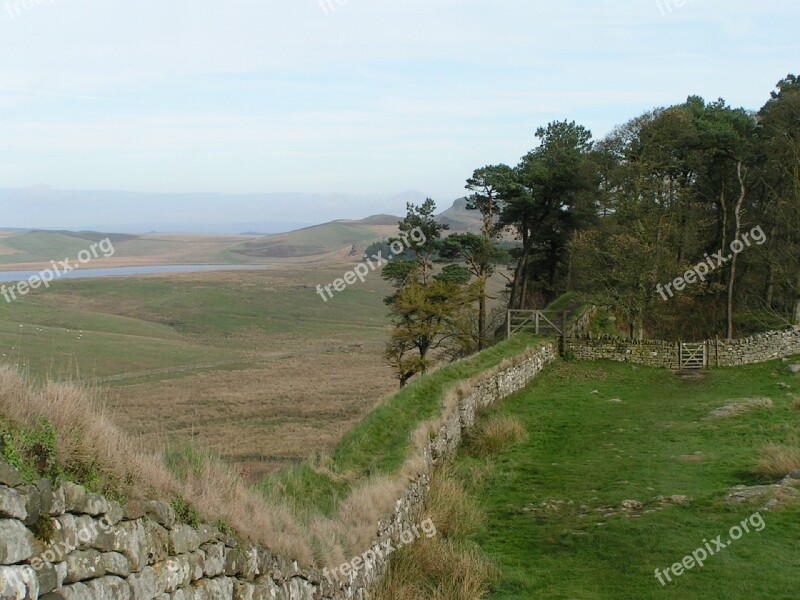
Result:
[
  {"x": 653, "y": 353},
  {"x": 101, "y": 550},
  {"x": 758, "y": 348}
]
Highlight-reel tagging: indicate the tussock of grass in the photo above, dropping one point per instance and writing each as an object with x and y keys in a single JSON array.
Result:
[
  {"x": 447, "y": 566},
  {"x": 496, "y": 434},
  {"x": 777, "y": 461}
]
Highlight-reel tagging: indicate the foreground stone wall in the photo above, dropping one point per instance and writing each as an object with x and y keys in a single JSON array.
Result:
[
  {"x": 758, "y": 348},
  {"x": 102, "y": 550}
]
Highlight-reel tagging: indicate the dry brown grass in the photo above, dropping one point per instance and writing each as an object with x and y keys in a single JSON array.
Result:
[
  {"x": 216, "y": 488},
  {"x": 496, "y": 434},
  {"x": 442, "y": 567},
  {"x": 796, "y": 399},
  {"x": 260, "y": 418},
  {"x": 778, "y": 460},
  {"x": 86, "y": 437}
]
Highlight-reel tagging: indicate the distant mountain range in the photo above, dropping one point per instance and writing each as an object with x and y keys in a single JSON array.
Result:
[
  {"x": 342, "y": 238},
  {"x": 42, "y": 207},
  {"x": 334, "y": 241}
]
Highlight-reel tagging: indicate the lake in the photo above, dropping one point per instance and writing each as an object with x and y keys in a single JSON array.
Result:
[{"x": 13, "y": 276}]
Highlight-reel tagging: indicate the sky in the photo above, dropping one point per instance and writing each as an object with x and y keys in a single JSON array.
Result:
[{"x": 349, "y": 97}]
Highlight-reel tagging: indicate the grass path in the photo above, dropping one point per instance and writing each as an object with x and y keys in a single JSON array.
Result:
[{"x": 603, "y": 433}]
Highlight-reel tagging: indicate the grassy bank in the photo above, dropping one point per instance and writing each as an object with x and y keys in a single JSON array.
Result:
[
  {"x": 601, "y": 434},
  {"x": 382, "y": 442}
]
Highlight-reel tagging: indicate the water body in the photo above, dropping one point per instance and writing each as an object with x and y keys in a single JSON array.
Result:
[{"x": 87, "y": 273}]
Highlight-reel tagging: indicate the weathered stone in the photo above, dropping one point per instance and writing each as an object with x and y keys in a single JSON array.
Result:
[
  {"x": 173, "y": 573},
  {"x": 129, "y": 539},
  {"x": 33, "y": 504},
  {"x": 92, "y": 504},
  {"x": 183, "y": 539},
  {"x": 249, "y": 568},
  {"x": 18, "y": 583},
  {"x": 83, "y": 565},
  {"x": 59, "y": 506},
  {"x": 64, "y": 538},
  {"x": 47, "y": 576},
  {"x": 45, "y": 489},
  {"x": 109, "y": 588},
  {"x": 9, "y": 476},
  {"x": 267, "y": 589},
  {"x": 87, "y": 530},
  {"x": 18, "y": 542},
  {"x": 12, "y": 504},
  {"x": 794, "y": 368},
  {"x": 77, "y": 591},
  {"x": 115, "y": 563},
  {"x": 115, "y": 513},
  {"x": 134, "y": 509},
  {"x": 243, "y": 590},
  {"x": 161, "y": 512},
  {"x": 61, "y": 573},
  {"x": 221, "y": 587},
  {"x": 196, "y": 565},
  {"x": 179, "y": 595},
  {"x": 206, "y": 533},
  {"x": 157, "y": 541},
  {"x": 74, "y": 495},
  {"x": 214, "y": 564},
  {"x": 234, "y": 561},
  {"x": 144, "y": 585}
]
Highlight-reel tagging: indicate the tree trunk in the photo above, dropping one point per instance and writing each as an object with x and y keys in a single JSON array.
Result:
[
  {"x": 769, "y": 291},
  {"x": 519, "y": 277},
  {"x": 740, "y": 173},
  {"x": 482, "y": 316},
  {"x": 797, "y": 301}
]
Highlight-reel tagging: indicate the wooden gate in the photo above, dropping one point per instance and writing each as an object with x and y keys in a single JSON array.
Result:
[
  {"x": 693, "y": 356},
  {"x": 534, "y": 321}
]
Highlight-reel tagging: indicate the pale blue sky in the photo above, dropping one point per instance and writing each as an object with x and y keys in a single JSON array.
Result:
[{"x": 369, "y": 97}]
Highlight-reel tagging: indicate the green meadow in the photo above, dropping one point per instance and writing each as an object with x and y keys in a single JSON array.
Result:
[{"x": 600, "y": 434}]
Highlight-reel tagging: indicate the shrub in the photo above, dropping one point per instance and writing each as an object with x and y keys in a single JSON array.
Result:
[
  {"x": 778, "y": 460},
  {"x": 496, "y": 434}
]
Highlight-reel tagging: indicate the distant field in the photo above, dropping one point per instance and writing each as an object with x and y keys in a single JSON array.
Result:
[
  {"x": 252, "y": 364},
  {"x": 331, "y": 242},
  {"x": 601, "y": 434}
]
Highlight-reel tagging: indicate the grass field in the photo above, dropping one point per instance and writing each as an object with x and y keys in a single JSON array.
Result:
[
  {"x": 601, "y": 434},
  {"x": 222, "y": 359}
]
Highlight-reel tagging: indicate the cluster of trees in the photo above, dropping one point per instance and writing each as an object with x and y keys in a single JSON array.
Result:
[{"x": 612, "y": 220}]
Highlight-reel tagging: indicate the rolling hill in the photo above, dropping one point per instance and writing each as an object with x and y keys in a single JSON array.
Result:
[{"x": 329, "y": 242}]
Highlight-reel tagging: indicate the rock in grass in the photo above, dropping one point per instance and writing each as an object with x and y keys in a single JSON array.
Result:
[{"x": 739, "y": 407}]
